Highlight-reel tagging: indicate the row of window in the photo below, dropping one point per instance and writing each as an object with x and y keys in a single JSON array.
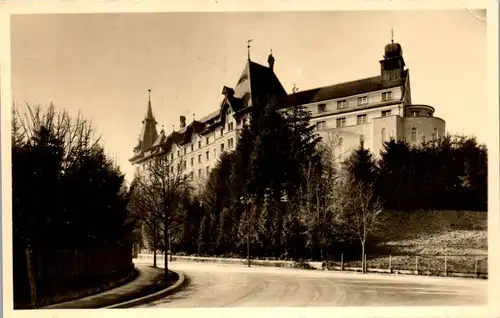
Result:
[
  {"x": 414, "y": 134},
  {"x": 230, "y": 145},
  {"x": 363, "y": 100},
  {"x": 191, "y": 174},
  {"x": 230, "y": 127},
  {"x": 341, "y": 122}
]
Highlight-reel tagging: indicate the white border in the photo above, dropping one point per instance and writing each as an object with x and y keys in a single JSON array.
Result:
[{"x": 75, "y": 6}]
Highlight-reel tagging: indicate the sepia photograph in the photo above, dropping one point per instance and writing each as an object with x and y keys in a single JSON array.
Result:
[{"x": 249, "y": 159}]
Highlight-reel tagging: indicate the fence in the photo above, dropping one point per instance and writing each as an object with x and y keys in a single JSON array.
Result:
[
  {"x": 62, "y": 271},
  {"x": 67, "y": 264},
  {"x": 436, "y": 265}
]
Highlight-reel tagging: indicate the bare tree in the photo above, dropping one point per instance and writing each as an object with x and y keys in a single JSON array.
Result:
[
  {"x": 74, "y": 138},
  {"x": 163, "y": 186},
  {"x": 359, "y": 211}
]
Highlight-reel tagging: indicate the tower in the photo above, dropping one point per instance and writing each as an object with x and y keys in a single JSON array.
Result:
[
  {"x": 148, "y": 132},
  {"x": 393, "y": 64}
]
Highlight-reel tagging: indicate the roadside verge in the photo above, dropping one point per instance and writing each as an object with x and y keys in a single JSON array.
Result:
[
  {"x": 149, "y": 283},
  {"x": 178, "y": 285}
]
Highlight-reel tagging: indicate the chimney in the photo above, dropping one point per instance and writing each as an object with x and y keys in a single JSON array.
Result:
[
  {"x": 183, "y": 121},
  {"x": 270, "y": 60}
]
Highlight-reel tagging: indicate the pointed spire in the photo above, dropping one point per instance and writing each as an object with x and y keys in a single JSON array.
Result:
[
  {"x": 392, "y": 35},
  {"x": 149, "y": 114}
]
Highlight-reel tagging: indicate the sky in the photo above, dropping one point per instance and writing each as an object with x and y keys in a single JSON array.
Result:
[{"x": 104, "y": 64}]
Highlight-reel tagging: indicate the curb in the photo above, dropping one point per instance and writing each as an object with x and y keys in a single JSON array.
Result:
[{"x": 181, "y": 282}]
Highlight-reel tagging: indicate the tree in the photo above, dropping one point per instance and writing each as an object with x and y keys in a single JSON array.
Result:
[
  {"x": 66, "y": 193},
  {"x": 163, "y": 187},
  {"x": 359, "y": 212}
]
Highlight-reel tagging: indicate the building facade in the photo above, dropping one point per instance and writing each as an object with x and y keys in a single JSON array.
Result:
[{"x": 370, "y": 110}]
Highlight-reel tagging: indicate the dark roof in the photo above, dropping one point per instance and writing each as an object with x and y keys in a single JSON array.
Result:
[
  {"x": 361, "y": 86},
  {"x": 263, "y": 83}
]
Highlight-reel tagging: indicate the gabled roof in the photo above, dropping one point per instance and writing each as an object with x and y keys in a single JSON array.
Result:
[
  {"x": 346, "y": 89},
  {"x": 257, "y": 82}
]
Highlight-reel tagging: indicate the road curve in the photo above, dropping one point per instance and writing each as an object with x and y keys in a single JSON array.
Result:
[{"x": 217, "y": 285}]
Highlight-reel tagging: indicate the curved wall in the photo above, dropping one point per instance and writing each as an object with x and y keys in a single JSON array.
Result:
[{"x": 424, "y": 128}]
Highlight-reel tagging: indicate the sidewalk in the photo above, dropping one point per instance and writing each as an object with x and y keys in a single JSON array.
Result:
[{"x": 144, "y": 284}]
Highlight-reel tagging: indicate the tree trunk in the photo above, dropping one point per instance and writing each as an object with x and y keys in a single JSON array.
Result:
[
  {"x": 30, "y": 266},
  {"x": 170, "y": 246},
  {"x": 363, "y": 260},
  {"x": 165, "y": 241},
  {"x": 154, "y": 245}
]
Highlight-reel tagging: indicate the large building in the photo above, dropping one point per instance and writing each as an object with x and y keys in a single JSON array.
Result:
[{"x": 369, "y": 110}]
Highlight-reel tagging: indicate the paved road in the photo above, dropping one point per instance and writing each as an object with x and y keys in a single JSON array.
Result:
[{"x": 215, "y": 285}]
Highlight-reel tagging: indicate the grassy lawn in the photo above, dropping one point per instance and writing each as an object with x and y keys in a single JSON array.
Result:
[{"x": 459, "y": 237}]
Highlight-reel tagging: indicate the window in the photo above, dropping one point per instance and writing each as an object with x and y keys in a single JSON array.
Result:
[
  {"x": 192, "y": 148},
  {"x": 320, "y": 125},
  {"x": 435, "y": 133},
  {"x": 178, "y": 166},
  {"x": 199, "y": 144},
  {"x": 185, "y": 164},
  {"x": 230, "y": 126},
  {"x": 341, "y": 104},
  {"x": 208, "y": 140},
  {"x": 172, "y": 157},
  {"x": 208, "y": 170},
  {"x": 191, "y": 175},
  {"x": 362, "y": 100},
  {"x": 222, "y": 131},
  {"x": 221, "y": 147},
  {"x": 230, "y": 143},
  {"x": 414, "y": 134},
  {"x": 192, "y": 161},
  {"x": 207, "y": 154},
  {"x": 340, "y": 122},
  {"x": 199, "y": 158},
  {"x": 382, "y": 133},
  {"x": 199, "y": 172},
  {"x": 321, "y": 108},
  {"x": 386, "y": 96},
  {"x": 361, "y": 119},
  {"x": 185, "y": 150},
  {"x": 415, "y": 113},
  {"x": 178, "y": 153},
  {"x": 386, "y": 113}
]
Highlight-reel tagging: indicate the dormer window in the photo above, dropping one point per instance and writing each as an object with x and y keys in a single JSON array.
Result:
[{"x": 321, "y": 108}]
